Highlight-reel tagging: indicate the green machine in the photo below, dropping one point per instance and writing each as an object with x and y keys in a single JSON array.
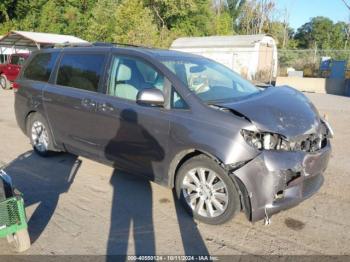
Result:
[{"x": 13, "y": 221}]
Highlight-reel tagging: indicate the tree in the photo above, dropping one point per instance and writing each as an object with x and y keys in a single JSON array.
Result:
[
  {"x": 321, "y": 33},
  {"x": 235, "y": 8},
  {"x": 7, "y": 10},
  {"x": 182, "y": 17},
  {"x": 168, "y": 13},
  {"x": 51, "y": 19},
  {"x": 347, "y": 34},
  {"x": 222, "y": 24},
  {"x": 75, "y": 21},
  {"x": 255, "y": 16},
  {"x": 134, "y": 24},
  {"x": 101, "y": 23},
  {"x": 28, "y": 14},
  {"x": 281, "y": 32},
  {"x": 198, "y": 21}
]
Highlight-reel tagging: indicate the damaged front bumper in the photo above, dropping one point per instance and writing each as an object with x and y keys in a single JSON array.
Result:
[{"x": 278, "y": 180}]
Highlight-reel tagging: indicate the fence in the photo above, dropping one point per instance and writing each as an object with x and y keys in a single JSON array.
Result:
[{"x": 309, "y": 61}]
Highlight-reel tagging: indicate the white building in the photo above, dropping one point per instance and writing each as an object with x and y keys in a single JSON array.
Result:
[{"x": 249, "y": 55}]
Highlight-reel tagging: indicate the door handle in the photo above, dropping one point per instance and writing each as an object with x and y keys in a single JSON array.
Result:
[
  {"x": 106, "y": 107},
  {"x": 88, "y": 103}
]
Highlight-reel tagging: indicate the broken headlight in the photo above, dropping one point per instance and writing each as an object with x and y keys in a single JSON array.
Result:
[
  {"x": 267, "y": 141},
  {"x": 327, "y": 129},
  {"x": 270, "y": 141}
]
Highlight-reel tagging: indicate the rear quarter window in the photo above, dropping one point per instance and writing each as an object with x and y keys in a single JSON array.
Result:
[
  {"x": 82, "y": 71},
  {"x": 40, "y": 67}
]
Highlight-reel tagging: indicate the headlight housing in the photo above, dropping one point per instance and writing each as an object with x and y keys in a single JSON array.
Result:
[
  {"x": 271, "y": 141},
  {"x": 260, "y": 140},
  {"x": 328, "y": 131}
]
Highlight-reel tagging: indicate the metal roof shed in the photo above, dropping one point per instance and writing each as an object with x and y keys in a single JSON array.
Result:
[
  {"x": 249, "y": 55},
  {"x": 24, "y": 41}
]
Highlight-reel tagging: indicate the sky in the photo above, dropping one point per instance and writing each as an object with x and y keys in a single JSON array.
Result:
[{"x": 301, "y": 11}]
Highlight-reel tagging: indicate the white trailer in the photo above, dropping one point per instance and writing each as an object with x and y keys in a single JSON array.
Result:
[{"x": 249, "y": 55}]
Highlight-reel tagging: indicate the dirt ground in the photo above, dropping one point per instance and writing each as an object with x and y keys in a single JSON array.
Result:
[{"x": 98, "y": 211}]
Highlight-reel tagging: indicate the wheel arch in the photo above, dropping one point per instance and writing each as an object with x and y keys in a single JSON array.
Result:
[
  {"x": 185, "y": 155},
  {"x": 244, "y": 197},
  {"x": 56, "y": 146},
  {"x": 31, "y": 112},
  {"x": 181, "y": 158}
]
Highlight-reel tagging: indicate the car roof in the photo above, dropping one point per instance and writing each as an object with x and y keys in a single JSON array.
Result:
[{"x": 152, "y": 52}]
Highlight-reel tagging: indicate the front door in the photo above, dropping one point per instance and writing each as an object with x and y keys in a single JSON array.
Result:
[{"x": 135, "y": 136}]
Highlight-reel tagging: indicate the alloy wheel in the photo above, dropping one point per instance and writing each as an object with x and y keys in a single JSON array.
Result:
[
  {"x": 205, "y": 192},
  {"x": 40, "y": 136}
]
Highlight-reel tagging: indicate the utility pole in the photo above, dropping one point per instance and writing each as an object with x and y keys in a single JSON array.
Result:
[
  {"x": 348, "y": 28},
  {"x": 346, "y": 4},
  {"x": 285, "y": 28}
]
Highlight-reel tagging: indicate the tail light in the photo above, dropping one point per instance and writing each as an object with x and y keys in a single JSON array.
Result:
[{"x": 15, "y": 86}]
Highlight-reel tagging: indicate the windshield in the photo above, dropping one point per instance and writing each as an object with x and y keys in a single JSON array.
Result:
[{"x": 210, "y": 81}]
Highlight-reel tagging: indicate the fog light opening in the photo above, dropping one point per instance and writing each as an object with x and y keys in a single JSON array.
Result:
[
  {"x": 292, "y": 176},
  {"x": 279, "y": 195}
]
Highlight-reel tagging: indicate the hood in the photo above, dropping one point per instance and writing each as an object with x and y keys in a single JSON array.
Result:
[{"x": 281, "y": 110}]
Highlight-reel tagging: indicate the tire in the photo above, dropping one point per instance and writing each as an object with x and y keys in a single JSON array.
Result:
[
  {"x": 40, "y": 135},
  {"x": 215, "y": 210},
  {"x": 4, "y": 83},
  {"x": 21, "y": 240}
]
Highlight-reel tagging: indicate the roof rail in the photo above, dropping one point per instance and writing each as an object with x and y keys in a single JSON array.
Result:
[
  {"x": 88, "y": 44},
  {"x": 103, "y": 44},
  {"x": 69, "y": 44},
  {"x": 116, "y": 44}
]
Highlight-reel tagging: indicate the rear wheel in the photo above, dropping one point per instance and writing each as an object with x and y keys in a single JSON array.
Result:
[
  {"x": 4, "y": 82},
  {"x": 206, "y": 191},
  {"x": 40, "y": 135}
]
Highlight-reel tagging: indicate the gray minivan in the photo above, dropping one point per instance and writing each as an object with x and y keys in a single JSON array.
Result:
[{"x": 180, "y": 120}]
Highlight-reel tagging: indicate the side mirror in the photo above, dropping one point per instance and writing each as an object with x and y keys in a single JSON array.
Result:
[{"x": 151, "y": 97}]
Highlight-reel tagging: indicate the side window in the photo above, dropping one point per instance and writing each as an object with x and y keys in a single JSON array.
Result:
[
  {"x": 3, "y": 59},
  {"x": 40, "y": 67},
  {"x": 82, "y": 71},
  {"x": 130, "y": 75},
  {"x": 17, "y": 60},
  {"x": 177, "y": 101},
  {"x": 21, "y": 60}
]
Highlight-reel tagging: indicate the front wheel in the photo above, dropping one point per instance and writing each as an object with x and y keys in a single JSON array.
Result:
[
  {"x": 4, "y": 83},
  {"x": 206, "y": 191}
]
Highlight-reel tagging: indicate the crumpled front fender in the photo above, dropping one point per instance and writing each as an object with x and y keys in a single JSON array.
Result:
[{"x": 277, "y": 180}]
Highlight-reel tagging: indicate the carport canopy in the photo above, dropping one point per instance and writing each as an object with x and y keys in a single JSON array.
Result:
[{"x": 24, "y": 39}]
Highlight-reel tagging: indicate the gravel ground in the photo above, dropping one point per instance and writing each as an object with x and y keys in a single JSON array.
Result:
[{"x": 77, "y": 206}]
